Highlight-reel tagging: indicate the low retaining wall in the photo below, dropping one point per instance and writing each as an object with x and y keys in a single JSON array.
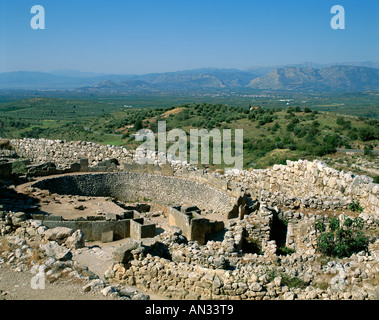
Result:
[
  {"x": 131, "y": 186},
  {"x": 93, "y": 229},
  {"x": 64, "y": 153}
]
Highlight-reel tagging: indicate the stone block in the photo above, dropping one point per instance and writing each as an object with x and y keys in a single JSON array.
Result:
[
  {"x": 124, "y": 254},
  {"x": 110, "y": 216},
  {"x": 83, "y": 165},
  {"x": 107, "y": 236},
  {"x": 58, "y": 234},
  {"x": 53, "y": 249},
  {"x": 75, "y": 167},
  {"x": 148, "y": 230},
  {"x": 18, "y": 217},
  {"x": 167, "y": 170},
  {"x": 76, "y": 240}
]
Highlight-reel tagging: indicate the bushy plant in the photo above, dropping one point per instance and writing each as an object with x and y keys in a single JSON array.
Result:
[
  {"x": 355, "y": 206},
  {"x": 341, "y": 240},
  {"x": 284, "y": 251},
  {"x": 19, "y": 167}
]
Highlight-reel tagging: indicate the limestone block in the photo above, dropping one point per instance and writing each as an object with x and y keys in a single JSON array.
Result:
[{"x": 107, "y": 236}]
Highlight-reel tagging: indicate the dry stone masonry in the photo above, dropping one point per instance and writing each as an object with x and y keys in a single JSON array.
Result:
[{"x": 239, "y": 235}]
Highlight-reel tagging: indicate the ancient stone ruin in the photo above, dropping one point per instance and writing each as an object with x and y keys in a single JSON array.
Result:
[{"x": 188, "y": 233}]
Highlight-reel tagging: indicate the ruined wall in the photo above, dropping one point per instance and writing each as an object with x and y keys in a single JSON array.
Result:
[
  {"x": 140, "y": 229},
  {"x": 194, "y": 226},
  {"x": 296, "y": 179},
  {"x": 305, "y": 179},
  {"x": 130, "y": 186},
  {"x": 64, "y": 153},
  {"x": 93, "y": 230}
]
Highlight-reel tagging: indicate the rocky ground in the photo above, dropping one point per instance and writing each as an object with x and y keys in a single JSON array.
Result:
[
  {"x": 359, "y": 164},
  {"x": 171, "y": 267},
  {"x": 69, "y": 264},
  {"x": 16, "y": 286}
]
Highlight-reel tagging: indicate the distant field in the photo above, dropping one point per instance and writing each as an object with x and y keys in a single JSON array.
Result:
[
  {"x": 67, "y": 105},
  {"x": 361, "y": 111},
  {"x": 54, "y": 109},
  {"x": 359, "y": 104}
]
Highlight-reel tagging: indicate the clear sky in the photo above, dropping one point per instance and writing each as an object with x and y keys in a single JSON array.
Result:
[{"x": 143, "y": 36}]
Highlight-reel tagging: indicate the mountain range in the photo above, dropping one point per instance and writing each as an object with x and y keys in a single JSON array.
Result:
[{"x": 301, "y": 77}]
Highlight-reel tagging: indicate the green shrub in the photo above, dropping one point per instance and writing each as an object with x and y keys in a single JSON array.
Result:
[
  {"x": 341, "y": 240},
  {"x": 284, "y": 251},
  {"x": 287, "y": 280},
  {"x": 19, "y": 167},
  {"x": 355, "y": 206},
  {"x": 293, "y": 282},
  {"x": 334, "y": 224},
  {"x": 366, "y": 134},
  {"x": 368, "y": 150}
]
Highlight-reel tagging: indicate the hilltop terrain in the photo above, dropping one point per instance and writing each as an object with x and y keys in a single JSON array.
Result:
[{"x": 272, "y": 135}]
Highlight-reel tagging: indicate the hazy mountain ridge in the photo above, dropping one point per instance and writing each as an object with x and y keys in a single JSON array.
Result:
[
  {"x": 334, "y": 78},
  {"x": 306, "y": 76}
]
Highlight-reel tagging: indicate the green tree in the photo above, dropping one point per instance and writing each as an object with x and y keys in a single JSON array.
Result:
[
  {"x": 138, "y": 125},
  {"x": 366, "y": 133}
]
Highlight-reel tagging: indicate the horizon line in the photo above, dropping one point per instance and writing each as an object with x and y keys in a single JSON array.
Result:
[{"x": 245, "y": 69}]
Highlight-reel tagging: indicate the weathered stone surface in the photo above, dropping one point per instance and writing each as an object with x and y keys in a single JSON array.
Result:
[
  {"x": 76, "y": 240},
  {"x": 58, "y": 234},
  {"x": 54, "y": 250},
  {"x": 242, "y": 261},
  {"x": 18, "y": 217},
  {"x": 107, "y": 291},
  {"x": 124, "y": 253},
  {"x": 107, "y": 236}
]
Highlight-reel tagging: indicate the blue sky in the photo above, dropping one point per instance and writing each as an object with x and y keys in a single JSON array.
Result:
[{"x": 143, "y": 36}]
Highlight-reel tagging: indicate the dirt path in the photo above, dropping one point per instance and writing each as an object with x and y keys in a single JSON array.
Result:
[
  {"x": 98, "y": 258},
  {"x": 17, "y": 286}
]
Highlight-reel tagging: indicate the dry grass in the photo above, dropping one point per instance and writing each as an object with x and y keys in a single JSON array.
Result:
[
  {"x": 165, "y": 115},
  {"x": 37, "y": 257},
  {"x": 4, "y": 245}
]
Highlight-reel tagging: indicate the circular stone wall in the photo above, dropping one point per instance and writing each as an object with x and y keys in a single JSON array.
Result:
[{"x": 130, "y": 186}]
